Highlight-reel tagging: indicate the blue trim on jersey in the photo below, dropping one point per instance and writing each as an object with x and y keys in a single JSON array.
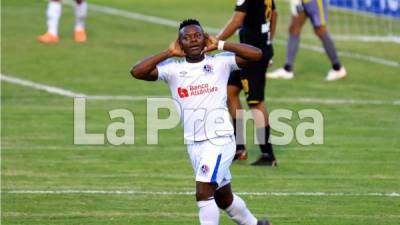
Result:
[{"x": 214, "y": 175}]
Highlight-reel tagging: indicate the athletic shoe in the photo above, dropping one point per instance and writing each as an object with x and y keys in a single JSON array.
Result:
[
  {"x": 80, "y": 36},
  {"x": 336, "y": 74},
  {"x": 265, "y": 161},
  {"x": 280, "y": 74},
  {"x": 263, "y": 222},
  {"x": 48, "y": 38},
  {"x": 241, "y": 154}
]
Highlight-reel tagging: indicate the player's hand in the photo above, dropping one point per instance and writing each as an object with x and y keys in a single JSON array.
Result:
[
  {"x": 175, "y": 49},
  {"x": 211, "y": 43}
]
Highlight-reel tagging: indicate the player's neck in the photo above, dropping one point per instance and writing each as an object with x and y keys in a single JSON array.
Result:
[{"x": 195, "y": 59}]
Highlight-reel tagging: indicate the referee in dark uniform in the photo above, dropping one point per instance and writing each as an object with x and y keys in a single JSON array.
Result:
[{"x": 256, "y": 20}]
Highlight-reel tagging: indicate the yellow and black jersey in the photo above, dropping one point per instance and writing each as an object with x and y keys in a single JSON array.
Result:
[{"x": 258, "y": 14}]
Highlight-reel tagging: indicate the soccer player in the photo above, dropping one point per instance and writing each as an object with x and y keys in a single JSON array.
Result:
[
  {"x": 257, "y": 22},
  {"x": 198, "y": 84},
  {"x": 53, "y": 17},
  {"x": 317, "y": 11}
]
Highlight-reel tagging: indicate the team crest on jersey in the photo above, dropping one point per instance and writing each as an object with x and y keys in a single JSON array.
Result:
[
  {"x": 208, "y": 68},
  {"x": 204, "y": 169}
]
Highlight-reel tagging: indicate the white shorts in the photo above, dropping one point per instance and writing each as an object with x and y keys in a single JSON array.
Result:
[{"x": 211, "y": 161}]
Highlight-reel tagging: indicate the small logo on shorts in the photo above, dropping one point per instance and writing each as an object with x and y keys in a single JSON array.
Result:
[{"x": 204, "y": 169}]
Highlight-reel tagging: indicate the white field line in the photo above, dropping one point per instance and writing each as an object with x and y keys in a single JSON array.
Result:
[
  {"x": 72, "y": 94},
  {"x": 161, "y": 193},
  {"x": 43, "y": 87},
  {"x": 382, "y": 39},
  {"x": 174, "y": 24}
]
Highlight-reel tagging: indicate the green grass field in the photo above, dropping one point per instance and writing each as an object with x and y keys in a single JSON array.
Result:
[{"x": 360, "y": 155}]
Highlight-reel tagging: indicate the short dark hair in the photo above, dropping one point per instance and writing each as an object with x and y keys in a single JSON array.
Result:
[{"x": 188, "y": 22}]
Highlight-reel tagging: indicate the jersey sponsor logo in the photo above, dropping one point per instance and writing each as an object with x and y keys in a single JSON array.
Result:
[
  {"x": 201, "y": 89},
  {"x": 194, "y": 90},
  {"x": 240, "y": 2},
  {"x": 204, "y": 169},
  {"x": 208, "y": 68},
  {"x": 183, "y": 92}
]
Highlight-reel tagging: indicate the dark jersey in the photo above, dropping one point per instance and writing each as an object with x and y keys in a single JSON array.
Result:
[{"x": 258, "y": 15}]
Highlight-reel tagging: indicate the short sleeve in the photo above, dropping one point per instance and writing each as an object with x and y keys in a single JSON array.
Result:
[
  {"x": 241, "y": 5},
  {"x": 164, "y": 70},
  {"x": 229, "y": 60}
]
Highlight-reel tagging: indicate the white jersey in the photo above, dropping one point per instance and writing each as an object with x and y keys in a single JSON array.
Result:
[{"x": 200, "y": 93}]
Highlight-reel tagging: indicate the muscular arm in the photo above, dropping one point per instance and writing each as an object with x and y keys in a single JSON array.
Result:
[
  {"x": 233, "y": 24},
  {"x": 146, "y": 69},
  {"x": 245, "y": 54}
]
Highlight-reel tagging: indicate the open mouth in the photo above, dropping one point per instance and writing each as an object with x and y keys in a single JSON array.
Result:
[{"x": 195, "y": 47}]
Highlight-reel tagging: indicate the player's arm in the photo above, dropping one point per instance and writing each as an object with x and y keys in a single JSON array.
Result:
[
  {"x": 232, "y": 25},
  {"x": 146, "y": 69},
  {"x": 245, "y": 54},
  {"x": 274, "y": 20}
]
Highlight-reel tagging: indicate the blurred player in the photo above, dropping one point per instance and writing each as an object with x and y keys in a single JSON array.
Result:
[
  {"x": 257, "y": 22},
  {"x": 317, "y": 11},
  {"x": 53, "y": 17},
  {"x": 198, "y": 83}
]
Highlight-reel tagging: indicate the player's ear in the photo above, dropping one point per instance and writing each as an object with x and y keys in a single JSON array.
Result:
[{"x": 180, "y": 41}]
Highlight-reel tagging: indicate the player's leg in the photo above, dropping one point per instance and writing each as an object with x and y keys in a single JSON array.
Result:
[
  {"x": 296, "y": 24},
  {"x": 235, "y": 207},
  {"x": 80, "y": 16},
  {"x": 318, "y": 11},
  {"x": 255, "y": 100},
  {"x": 260, "y": 115},
  {"x": 208, "y": 209},
  {"x": 53, "y": 14},
  {"x": 234, "y": 106},
  {"x": 210, "y": 163}
]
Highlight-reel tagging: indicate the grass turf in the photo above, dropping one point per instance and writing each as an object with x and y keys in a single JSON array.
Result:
[{"x": 360, "y": 154}]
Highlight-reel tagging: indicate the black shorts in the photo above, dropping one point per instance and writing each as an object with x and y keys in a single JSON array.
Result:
[{"x": 251, "y": 79}]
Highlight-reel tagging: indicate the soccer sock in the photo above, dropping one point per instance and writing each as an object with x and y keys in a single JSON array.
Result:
[
  {"x": 263, "y": 137},
  {"x": 239, "y": 212},
  {"x": 239, "y": 136},
  {"x": 291, "y": 51},
  {"x": 80, "y": 15},
  {"x": 208, "y": 212},
  {"x": 53, "y": 17},
  {"x": 330, "y": 50}
]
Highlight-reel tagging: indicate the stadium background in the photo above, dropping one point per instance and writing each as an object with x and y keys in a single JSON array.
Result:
[{"x": 352, "y": 179}]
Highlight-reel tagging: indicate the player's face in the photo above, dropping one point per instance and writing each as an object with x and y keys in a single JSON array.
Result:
[{"x": 192, "y": 40}]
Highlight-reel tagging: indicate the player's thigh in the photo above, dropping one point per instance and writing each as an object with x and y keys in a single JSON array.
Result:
[
  {"x": 317, "y": 11},
  {"x": 297, "y": 23}
]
